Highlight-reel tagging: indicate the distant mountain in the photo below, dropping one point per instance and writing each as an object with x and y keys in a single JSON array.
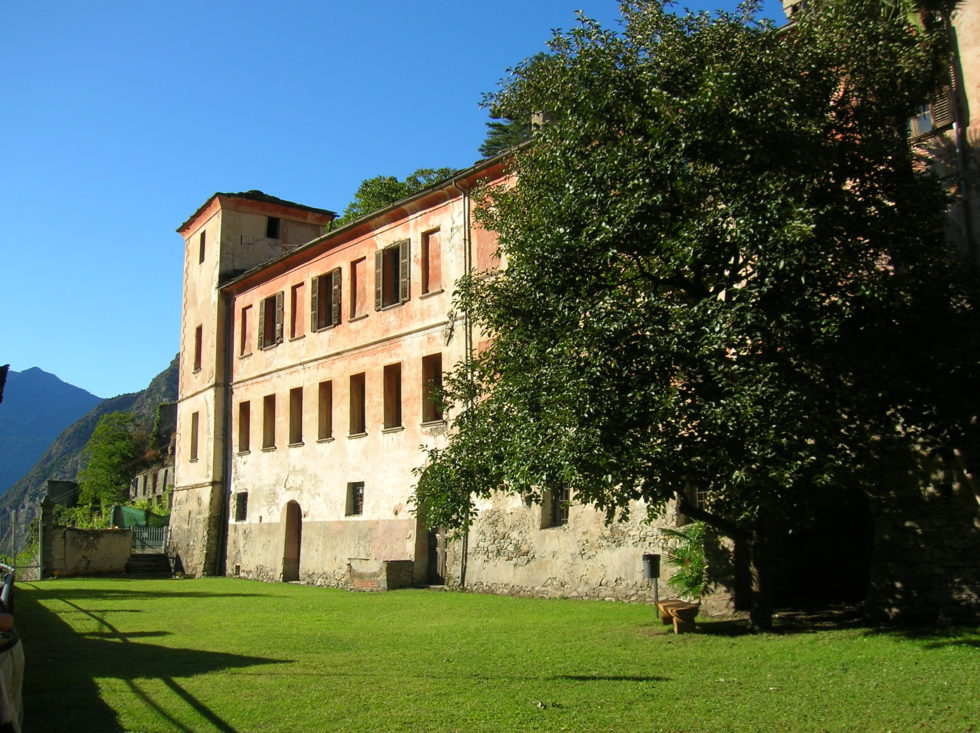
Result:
[
  {"x": 62, "y": 459},
  {"x": 36, "y": 407}
]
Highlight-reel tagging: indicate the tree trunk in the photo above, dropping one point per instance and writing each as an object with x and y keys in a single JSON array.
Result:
[
  {"x": 760, "y": 609},
  {"x": 742, "y": 572}
]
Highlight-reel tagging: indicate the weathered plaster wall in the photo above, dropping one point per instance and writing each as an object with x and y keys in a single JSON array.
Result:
[
  {"x": 88, "y": 551},
  {"x": 510, "y": 554},
  {"x": 330, "y": 549}
]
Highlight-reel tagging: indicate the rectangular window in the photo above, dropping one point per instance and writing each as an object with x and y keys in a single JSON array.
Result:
[
  {"x": 358, "y": 288},
  {"x": 358, "y": 423},
  {"x": 195, "y": 433},
  {"x": 431, "y": 262},
  {"x": 270, "y": 321},
  {"x": 393, "y": 395},
  {"x": 296, "y": 311},
  {"x": 391, "y": 275},
  {"x": 296, "y": 416},
  {"x": 241, "y": 506},
  {"x": 244, "y": 426},
  {"x": 554, "y": 507},
  {"x": 272, "y": 227},
  {"x": 325, "y": 300},
  {"x": 200, "y": 249},
  {"x": 245, "y": 332},
  {"x": 355, "y": 498},
  {"x": 269, "y": 422},
  {"x": 325, "y": 411},
  {"x": 198, "y": 344},
  {"x": 431, "y": 385}
]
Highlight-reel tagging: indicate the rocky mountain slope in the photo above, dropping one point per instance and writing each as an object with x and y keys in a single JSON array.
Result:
[
  {"x": 37, "y": 407},
  {"x": 62, "y": 459}
]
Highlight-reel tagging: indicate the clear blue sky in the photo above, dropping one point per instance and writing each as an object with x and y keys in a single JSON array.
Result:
[{"x": 118, "y": 119}]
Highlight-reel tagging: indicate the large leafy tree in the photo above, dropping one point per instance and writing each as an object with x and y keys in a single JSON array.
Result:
[
  {"x": 116, "y": 452},
  {"x": 724, "y": 270},
  {"x": 376, "y": 193}
]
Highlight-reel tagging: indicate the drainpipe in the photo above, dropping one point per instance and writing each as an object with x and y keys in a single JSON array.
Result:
[
  {"x": 467, "y": 343},
  {"x": 224, "y": 429}
]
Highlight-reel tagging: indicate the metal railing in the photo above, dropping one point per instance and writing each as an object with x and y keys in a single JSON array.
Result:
[{"x": 149, "y": 538}]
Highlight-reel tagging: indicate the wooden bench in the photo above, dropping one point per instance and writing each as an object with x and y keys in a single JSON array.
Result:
[{"x": 680, "y": 613}]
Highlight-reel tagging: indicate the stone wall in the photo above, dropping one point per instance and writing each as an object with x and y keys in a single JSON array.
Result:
[
  {"x": 72, "y": 551},
  {"x": 510, "y": 553},
  {"x": 926, "y": 563}
]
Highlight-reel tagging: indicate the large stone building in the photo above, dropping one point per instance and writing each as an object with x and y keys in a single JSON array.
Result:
[
  {"x": 308, "y": 360},
  {"x": 306, "y": 363}
]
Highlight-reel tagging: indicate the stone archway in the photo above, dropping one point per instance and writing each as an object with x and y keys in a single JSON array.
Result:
[{"x": 292, "y": 542}]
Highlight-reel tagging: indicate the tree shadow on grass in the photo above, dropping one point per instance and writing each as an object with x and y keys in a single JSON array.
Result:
[
  {"x": 607, "y": 678},
  {"x": 63, "y": 666},
  {"x": 932, "y": 637}
]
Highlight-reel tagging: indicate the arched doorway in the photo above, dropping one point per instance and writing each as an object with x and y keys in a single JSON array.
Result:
[{"x": 292, "y": 542}]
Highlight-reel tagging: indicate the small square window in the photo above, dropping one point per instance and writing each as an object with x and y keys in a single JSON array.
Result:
[
  {"x": 554, "y": 507},
  {"x": 355, "y": 498},
  {"x": 272, "y": 227}
]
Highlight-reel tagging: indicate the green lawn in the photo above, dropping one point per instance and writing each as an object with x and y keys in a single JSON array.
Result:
[{"x": 233, "y": 655}]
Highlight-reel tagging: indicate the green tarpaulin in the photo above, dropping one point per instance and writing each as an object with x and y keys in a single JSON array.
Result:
[{"x": 128, "y": 516}]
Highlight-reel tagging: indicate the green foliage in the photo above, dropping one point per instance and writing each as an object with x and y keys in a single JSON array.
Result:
[
  {"x": 685, "y": 551},
  {"x": 116, "y": 452},
  {"x": 724, "y": 269},
  {"x": 156, "y": 504},
  {"x": 376, "y": 193},
  {"x": 504, "y": 133},
  {"x": 199, "y": 655},
  {"x": 85, "y": 516}
]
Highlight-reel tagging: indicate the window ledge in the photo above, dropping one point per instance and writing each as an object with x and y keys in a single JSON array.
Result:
[
  {"x": 434, "y": 423},
  {"x": 431, "y": 294},
  {"x": 328, "y": 327},
  {"x": 297, "y": 444},
  {"x": 325, "y": 440},
  {"x": 392, "y": 305},
  {"x": 353, "y": 516},
  {"x": 297, "y": 338},
  {"x": 394, "y": 429},
  {"x": 245, "y": 355},
  {"x": 244, "y": 452},
  {"x": 268, "y": 448},
  {"x": 192, "y": 460},
  {"x": 357, "y": 435},
  {"x": 360, "y": 317},
  {"x": 195, "y": 370}
]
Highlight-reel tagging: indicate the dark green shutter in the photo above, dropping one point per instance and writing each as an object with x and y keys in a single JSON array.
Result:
[
  {"x": 279, "y": 316},
  {"x": 314, "y": 304},
  {"x": 378, "y": 278},
  {"x": 335, "y": 297},
  {"x": 404, "y": 270},
  {"x": 262, "y": 343}
]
